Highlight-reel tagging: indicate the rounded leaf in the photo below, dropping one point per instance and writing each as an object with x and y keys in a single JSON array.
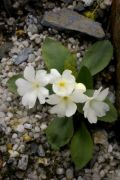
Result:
[
  {"x": 81, "y": 147},
  {"x": 59, "y": 132},
  {"x": 98, "y": 56},
  {"x": 11, "y": 83},
  {"x": 57, "y": 56}
]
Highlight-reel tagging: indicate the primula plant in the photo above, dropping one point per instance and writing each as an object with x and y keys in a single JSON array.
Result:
[{"x": 70, "y": 95}]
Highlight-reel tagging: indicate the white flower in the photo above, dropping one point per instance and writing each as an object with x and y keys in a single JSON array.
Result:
[
  {"x": 64, "y": 84},
  {"x": 32, "y": 87},
  {"x": 66, "y": 105},
  {"x": 88, "y": 2},
  {"x": 95, "y": 107}
]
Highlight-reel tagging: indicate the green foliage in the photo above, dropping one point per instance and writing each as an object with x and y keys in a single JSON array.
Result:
[
  {"x": 85, "y": 77},
  {"x": 11, "y": 83},
  {"x": 98, "y": 56},
  {"x": 110, "y": 116},
  {"x": 59, "y": 132},
  {"x": 81, "y": 147},
  {"x": 57, "y": 56}
]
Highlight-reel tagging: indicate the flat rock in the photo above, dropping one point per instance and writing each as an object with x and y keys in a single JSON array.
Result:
[
  {"x": 70, "y": 20},
  {"x": 23, "y": 56},
  {"x": 23, "y": 162}
]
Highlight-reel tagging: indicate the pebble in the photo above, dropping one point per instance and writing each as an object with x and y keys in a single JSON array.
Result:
[
  {"x": 110, "y": 148},
  {"x": 60, "y": 171},
  {"x": 43, "y": 126},
  {"x": 41, "y": 151},
  {"x": 31, "y": 58},
  {"x": 80, "y": 178},
  {"x": 69, "y": 174},
  {"x": 14, "y": 135},
  {"x": 28, "y": 126},
  {"x": 37, "y": 129},
  {"x": 13, "y": 154},
  {"x": 2, "y": 114},
  {"x": 27, "y": 138},
  {"x": 32, "y": 28},
  {"x": 23, "y": 162},
  {"x": 20, "y": 128},
  {"x": 11, "y": 21}
]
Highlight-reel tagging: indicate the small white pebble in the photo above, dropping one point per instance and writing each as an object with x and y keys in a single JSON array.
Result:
[
  {"x": 78, "y": 55},
  {"x": 43, "y": 126},
  {"x": 14, "y": 136},
  {"x": 9, "y": 114},
  {"x": 13, "y": 153},
  {"x": 110, "y": 148},
  {"x": 20, "y": 128},
  {"x": 38, "y": 116},
  {"x": 27, "y": 126},
  {"x": 37, "y": 129},
  {"x": 8, "y": 130},
  {"x": 15, "y": 147}
]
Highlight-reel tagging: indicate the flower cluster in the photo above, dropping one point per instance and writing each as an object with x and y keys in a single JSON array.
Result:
[{"x": 67, "y": 93}]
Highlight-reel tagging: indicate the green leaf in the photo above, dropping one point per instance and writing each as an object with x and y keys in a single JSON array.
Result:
[
  {"x": 59, "y": 132},
  {"x": 85, "y": 77},
  {"x": 98, "y": 56},
  {"x": 110, "y": 116},
  {"x": 11, "y": 83},
  {"x": 57, "y": 56},
  {"x": 81, "y": 147}
]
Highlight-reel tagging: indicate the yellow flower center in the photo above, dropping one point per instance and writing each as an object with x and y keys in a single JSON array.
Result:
[
  {"x": 65, "y": 98},
  {"x": 35, "y": 85},
  {"x": 62, "y": 84}
]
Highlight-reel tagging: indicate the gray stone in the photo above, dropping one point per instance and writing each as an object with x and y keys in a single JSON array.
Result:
[
  {"x": 59, "y": 171},
  {"x": 32, "y": 28},
  {"x": 79, "y": 7},
  {"x": 23, "y": 162},
  {"x": 70, "y": 20},
  {"x": 41, "y": 151},
  {"x": 69, "y": 174},
  {"x": 23, "y": 56},
  {"x": 79, "y": 178}
]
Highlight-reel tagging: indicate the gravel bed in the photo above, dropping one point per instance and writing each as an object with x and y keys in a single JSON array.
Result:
[{"x": 24, "y": 150}]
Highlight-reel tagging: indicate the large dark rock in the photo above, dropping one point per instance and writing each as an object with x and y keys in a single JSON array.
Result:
[{"x": 70, "y": 20}]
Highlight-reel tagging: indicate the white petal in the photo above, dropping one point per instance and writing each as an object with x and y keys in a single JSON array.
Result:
[
  {"x": 42, "y": 95},
  {"x": 23, "y": 86},
  {"x": 71, "y": 109},
  {"x": 78, "y": 97},
  {"x": 67, "y": 75},
  {"x": 53, "y": 76},
  {"x": 53, "y": 99},
  {"x": 92, "y": 118},
  {"x": 100, "y": 108},
  {"x": 29, "y": 73},
  {"x": 81, "y": 87},
  {"x": 58, "y": 109},
  {"x": 63, "y": 90},
  {"x": 96, "y": 92},
  {"x": 42, "y": 77},
  {"x": 86, "y": 108},
  {"x": 102, "y": 95},
  {"x": 29, "y": 99}
]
